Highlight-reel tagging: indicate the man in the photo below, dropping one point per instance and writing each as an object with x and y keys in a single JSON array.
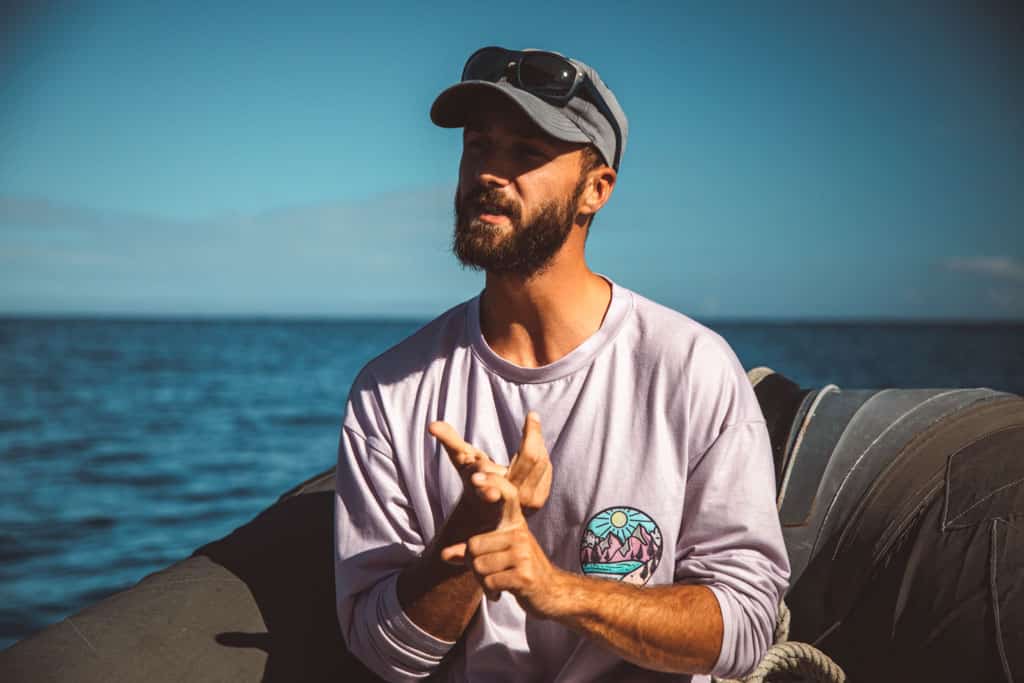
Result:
[{"x": 592, "y": 463}]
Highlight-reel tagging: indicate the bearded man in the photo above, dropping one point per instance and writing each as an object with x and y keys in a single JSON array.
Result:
[{"x": 593, "y": 464}]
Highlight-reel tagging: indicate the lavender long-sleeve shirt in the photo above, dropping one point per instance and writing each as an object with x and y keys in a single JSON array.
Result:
[{"x": 662, "y": 474}]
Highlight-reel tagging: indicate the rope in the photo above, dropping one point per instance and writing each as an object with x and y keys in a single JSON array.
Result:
[
  {"x": 786, "y": 660},
  {"x": 782, "y": 623}
]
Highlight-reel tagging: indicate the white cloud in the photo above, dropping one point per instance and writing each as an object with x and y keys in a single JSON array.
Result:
[
  {"x": 386, "y": 253},
  {"x": 999, "y": 267},
  {"x": 1007, "y": 300}
]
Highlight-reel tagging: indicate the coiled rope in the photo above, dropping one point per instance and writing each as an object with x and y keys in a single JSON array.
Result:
[{"x": 786, "y": 660}]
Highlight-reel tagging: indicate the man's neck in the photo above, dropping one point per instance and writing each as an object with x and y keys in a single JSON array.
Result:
[{"x": 535, "y": 322}]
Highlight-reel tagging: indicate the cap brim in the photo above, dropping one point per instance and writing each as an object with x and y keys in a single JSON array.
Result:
[{"x": 453, "y": 107}]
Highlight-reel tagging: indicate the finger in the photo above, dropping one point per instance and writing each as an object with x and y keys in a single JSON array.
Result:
[
  {"x": 518, "y": 469},
  {"x": 464, "y": 455},
  {"x": 508, "y": 580},
  {"x": 485, "y": 544},
  {"x": 492, "y": 488},
  {"x": 450, "y": 439},
  {"x": 454, "y": 554},
  {"x": 537, "y": 484},
  {"x": 531, "y": 450},
  {"x": 492, "y": 563},
  {"x": 543, "y": 489},
  {"x": 492, "y": 542},
  {"x": 486, "y": 465},
  {"x": 485, "y": 486},
  {"x": 533, "y": 437}
]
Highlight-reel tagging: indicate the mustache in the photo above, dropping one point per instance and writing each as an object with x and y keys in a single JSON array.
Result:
[{"x": 489, "y": 200}]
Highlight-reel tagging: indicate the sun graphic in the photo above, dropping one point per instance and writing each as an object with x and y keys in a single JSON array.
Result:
[{"x": 620, "y": 521}]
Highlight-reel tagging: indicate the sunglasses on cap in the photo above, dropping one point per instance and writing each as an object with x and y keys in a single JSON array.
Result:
[{"x": 547, "y": 75}]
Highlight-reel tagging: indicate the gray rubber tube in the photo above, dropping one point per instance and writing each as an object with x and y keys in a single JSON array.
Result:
[
  {"x": 900, "y": 511},
  {"x": 257, "y": 605}
]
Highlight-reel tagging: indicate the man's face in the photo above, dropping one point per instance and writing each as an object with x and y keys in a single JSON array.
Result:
[{"x": 518, "y": 191}]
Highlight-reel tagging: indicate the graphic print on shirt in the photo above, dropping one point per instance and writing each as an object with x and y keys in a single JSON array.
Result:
[{"x": 621, "y": 543}]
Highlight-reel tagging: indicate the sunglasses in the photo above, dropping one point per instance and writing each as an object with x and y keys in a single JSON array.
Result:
[{"x": 549, "y": 76}]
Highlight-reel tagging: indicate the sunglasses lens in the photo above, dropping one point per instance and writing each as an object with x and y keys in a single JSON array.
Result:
[
  {"x": 546, "y": 74},
  {"x": 488, "y": 64}
]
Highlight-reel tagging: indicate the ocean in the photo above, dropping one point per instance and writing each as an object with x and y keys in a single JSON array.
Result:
[{"x": 125, "y": 444}]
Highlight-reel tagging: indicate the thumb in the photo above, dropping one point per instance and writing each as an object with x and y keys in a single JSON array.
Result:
[
  {"x": 531, "y": 449},
  {"x": 454, "y": 554},
  {"x": 533, "y": 437},
  {"x": 493, "y": 487}
]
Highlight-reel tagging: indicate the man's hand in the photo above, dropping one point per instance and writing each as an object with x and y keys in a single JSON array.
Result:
[
  {"x": 437, "y": 597},
  {"x": 496, "y": 498},
  {"x": 466, "y": 458},
  {"x": 509, "y": 558},
  {"x": 674, "y": 628},
  {"x": 529, "y": 469}
]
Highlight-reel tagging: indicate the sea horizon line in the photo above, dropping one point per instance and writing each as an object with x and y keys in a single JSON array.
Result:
[{"x": 367, "y": 318}]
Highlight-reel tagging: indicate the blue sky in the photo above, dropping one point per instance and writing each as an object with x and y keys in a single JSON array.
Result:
[{"x": 791, "y": 162}]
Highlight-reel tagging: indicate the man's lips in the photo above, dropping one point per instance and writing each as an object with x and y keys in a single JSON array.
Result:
[
  {"x": 491, "y": 213},
  {"x": 489, "y": 210}
]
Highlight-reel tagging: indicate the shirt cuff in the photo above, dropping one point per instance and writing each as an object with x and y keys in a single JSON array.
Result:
[
  {"x": 398, "y": 628},
  {"x": 727, "y": 656}
]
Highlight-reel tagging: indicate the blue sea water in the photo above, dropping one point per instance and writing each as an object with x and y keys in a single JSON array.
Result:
[{"x": 125, "y": 444}]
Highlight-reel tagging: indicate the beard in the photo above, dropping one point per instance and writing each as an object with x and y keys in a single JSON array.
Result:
[{"x": 526, "y": 250}]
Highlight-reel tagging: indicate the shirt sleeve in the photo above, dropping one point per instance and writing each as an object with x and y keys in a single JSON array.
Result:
[
  {"x": 732, "y": 542},
  {"x": 375, "y": 536}
]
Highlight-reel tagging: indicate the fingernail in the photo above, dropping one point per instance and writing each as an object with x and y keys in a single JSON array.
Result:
[{"x": 479, "y": 478}]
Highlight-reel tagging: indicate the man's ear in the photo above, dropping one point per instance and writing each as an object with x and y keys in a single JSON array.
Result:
[{"x": 597, "y": 190}]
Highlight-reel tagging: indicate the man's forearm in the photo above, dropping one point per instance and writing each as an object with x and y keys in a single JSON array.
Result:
[
  {"x": 442, "y": 596},
  {"x": 675, "y": 628},
  {"x": 437, "y": 596}
]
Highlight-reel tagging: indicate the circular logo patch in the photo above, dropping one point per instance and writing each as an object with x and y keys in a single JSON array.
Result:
[{"x": 621, "y": 543}]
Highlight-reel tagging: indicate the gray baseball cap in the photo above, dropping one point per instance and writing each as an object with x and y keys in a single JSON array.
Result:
[{"x": 581, "y": 119}]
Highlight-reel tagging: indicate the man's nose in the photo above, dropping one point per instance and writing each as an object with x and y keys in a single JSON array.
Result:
[
  {"x": 491, "y": 177},
  {"x": 491, "y": 170}
]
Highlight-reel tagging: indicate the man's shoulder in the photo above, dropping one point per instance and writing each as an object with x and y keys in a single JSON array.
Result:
[
  {"x": 708, "y": 375},
  {"x": 413, "y": 355},
  {"x": 672, "y": 335}
]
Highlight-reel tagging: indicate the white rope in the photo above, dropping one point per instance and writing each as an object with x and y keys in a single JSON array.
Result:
[{"x": 786, "y": 660}]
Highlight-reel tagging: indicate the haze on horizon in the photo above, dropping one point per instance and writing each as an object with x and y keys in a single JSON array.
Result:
[{"x": 787, "y": 163}]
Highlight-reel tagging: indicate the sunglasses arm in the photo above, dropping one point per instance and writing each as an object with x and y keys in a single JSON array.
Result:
[{"x": 595, "y": 97}]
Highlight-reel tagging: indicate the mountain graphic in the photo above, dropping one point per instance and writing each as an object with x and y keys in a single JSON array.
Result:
[{"x": 639, "y": 547}]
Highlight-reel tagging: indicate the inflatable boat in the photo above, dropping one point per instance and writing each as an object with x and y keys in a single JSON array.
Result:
[{"x": 902, "y": 510}]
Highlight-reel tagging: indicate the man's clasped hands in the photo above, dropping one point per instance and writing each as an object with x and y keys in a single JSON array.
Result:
[{"x": 507, "y": 558}]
